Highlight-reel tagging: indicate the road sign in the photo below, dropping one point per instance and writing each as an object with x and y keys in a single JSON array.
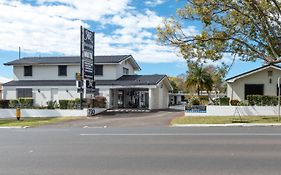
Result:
[
  {"x": 87, "y": 61},
  {"x": 87, "y": 54}
]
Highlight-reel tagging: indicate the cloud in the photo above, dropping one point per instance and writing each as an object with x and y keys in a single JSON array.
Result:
[
  {"x": 154, "y": 2},
  {"x": 4, "y": 79},
  {"x": 52, "y": 27}
]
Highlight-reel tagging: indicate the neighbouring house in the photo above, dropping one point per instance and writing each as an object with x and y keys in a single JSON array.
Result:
[
  {"x": 1, "y": 90},
  {"x": 260, "y": 81},
  {"x": 53, "y": 78}
]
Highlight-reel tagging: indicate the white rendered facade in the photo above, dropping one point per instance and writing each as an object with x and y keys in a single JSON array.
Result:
[{"x": 156, "y": 95}]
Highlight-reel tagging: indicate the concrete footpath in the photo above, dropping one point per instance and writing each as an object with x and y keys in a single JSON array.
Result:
[{"x": 229, "y": 125}]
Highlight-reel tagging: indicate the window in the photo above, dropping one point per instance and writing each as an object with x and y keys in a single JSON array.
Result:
[
  {"x": 27, "y": 70},
  {"x": 98, "y": 69},
  {"x": 125, "y": 71},
  {"x": 62, "y": 70},
  {"x": 24, "y": 93},
  {"x": 270, "y": 73},
  {"x": 253, "y": 89}
]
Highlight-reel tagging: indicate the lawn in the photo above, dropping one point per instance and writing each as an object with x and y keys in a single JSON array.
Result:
[
  {"x": 35, "y": 121},
  {"x": 224, "y": 120}
]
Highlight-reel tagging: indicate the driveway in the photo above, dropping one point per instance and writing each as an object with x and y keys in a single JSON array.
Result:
[{"x": 115, "y": 119}]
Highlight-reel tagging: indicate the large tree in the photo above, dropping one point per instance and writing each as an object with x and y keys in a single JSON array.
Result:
[
  {"x": 250, "y": 29},
  {"x": 178, "y": 83},
  {"x": 198, "y": 78}
]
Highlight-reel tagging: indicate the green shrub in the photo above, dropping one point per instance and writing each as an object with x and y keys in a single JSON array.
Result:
[
  {"x": 4, "y": 103},
  {"x": 63, "y": 104},
  {"x": 224, "y": 101},
  {"x": 14, "y": 103},
  {"x": 234, "y": 102},
  {"x": 262, "y": 100},
  {"x": 216, "y": 101},
  {"x": 77, "y": 103},
  {"x": 243, "y": 103},
  {"x": 100, "y": 102},
  {"x": 194, "y": 101},
  {"x": 51, "y": 104},
  {"x": 25, "y": 102},
  {"x": 203, "y": 100},
  {"x": 71, "y": 104}
]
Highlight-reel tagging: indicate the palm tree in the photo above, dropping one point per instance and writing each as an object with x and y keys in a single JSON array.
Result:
[{"x": 198, "y": 78}]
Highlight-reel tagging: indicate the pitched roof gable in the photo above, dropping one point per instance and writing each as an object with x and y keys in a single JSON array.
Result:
[
  {"x": 234, "y": 78},
  {"x": 105, "y": 59}
]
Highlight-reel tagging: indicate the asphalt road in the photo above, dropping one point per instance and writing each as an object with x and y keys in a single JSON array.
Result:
[
  {"x": 117, "y": 119},
  {"x": 141, "y": 151}
]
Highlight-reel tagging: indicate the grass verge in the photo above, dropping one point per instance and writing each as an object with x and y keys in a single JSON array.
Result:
[
  {"x": 35, "y": 121},
  {"x": 224, "y": 120}
]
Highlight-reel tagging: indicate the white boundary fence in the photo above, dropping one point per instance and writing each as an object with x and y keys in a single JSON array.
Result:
[
  {"x": 11, "y": 113},
  {"x": 233, "y": 110}
]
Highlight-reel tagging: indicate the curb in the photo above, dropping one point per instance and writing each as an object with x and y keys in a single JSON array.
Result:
[
  {"x": 13, "y": 127},
  {"x": 229, "y": 125},
  {"x": 10, "y": 127}
]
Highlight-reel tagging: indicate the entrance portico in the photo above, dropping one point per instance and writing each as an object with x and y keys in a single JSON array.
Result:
[{"x": 137, "y": 98}]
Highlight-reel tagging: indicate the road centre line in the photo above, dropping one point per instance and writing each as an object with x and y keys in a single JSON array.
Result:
[{"x": 184, "y": 134}]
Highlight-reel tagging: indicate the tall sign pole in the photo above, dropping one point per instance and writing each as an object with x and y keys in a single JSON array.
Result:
[
  {"x": 87, "y": 63},
  {"x": 278, "y": 99},
  {"x": 81, "y": 64}
]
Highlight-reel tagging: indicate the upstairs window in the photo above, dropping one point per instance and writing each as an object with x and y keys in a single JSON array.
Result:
[
  {"x": 98, "y": 69},
  {"x": 62, "y": 70},
  {"x": 27, "y": 70},
  {"x": 125, "y": 71}
]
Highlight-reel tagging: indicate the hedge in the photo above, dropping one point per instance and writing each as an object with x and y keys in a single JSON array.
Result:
[
  {"x": 224, "y": 101},
  {"x": 262, "y": 100},
  {"x": 13, "y": 103},
  {"x": 26, "y": 102},
  {"x": 63, "y": 104},
  {"x": 4, "y": 103},
  {"x": 234, "y": 102}
]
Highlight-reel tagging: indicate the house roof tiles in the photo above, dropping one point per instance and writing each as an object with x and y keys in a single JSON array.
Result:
[{"x": 125, "y": 80}]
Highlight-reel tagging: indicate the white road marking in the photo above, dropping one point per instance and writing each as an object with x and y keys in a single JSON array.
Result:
[
  {"x": 94, "y": 127},
  {"x": 185, "y": 134}
]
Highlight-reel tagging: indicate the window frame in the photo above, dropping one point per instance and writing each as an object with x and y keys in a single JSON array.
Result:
[
  {"x": 27, "y": 72},
  {"x": 61, "y": 73},
  {"x": 125, "y": 71},
  {"x": 100, "y": 69}
]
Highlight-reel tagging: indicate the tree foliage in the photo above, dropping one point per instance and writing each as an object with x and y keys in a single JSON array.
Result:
[
  {"x": 250, "y": 29},
  {"x": 198, "y": 78},
  {"x": 178, "y": 84},
  {"x": 218, "y": 74}
]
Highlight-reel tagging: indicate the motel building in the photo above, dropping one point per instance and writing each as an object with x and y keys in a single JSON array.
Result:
[{"x": 53, "y": 78}]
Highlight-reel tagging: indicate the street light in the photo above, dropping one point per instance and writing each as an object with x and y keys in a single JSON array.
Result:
[{"x": 278, "y": 98}]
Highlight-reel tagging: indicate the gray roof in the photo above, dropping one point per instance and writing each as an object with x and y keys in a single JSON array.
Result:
[
  {"x": 253, "y": 71},
  {"x": 133, "y": 80},
  {"x": 125, "y": 80},
  {"x": 66, "y": 60}
]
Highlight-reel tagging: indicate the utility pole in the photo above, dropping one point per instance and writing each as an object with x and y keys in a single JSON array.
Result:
[{"x": 19, "y": 52}]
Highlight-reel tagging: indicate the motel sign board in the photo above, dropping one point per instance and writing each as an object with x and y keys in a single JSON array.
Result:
[{"x": 87, "y": 59}]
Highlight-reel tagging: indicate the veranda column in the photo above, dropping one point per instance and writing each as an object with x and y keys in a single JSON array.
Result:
[{"x": 150, "y": 97}]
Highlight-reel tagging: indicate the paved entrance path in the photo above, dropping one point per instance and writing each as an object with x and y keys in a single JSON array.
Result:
[{"x": 115, "y": 119}]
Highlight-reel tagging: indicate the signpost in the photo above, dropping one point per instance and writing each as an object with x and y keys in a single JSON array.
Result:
[
  {"x": 278, "y": 85},
  {"x": 87, "y": 72}
]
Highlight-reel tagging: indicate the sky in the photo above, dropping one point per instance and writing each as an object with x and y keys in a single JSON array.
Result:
[{"x": 52, "y": 28}]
